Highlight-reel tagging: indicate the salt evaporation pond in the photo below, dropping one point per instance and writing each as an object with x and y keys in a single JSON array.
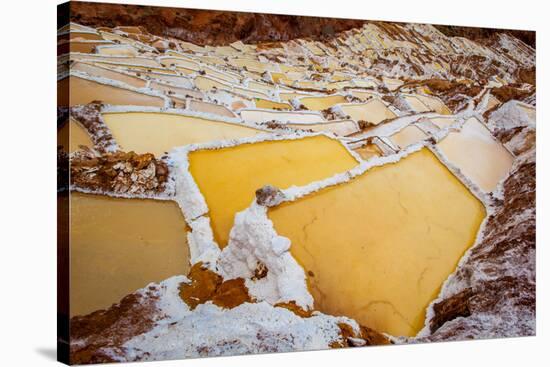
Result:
[
  {"x": 379, "y": 247},
  {"x": 228, "y": 178},
  {"x": 121, "y": 245},
  {"x": 477, "y": 154},
  {"x": 157, "y": 133}
]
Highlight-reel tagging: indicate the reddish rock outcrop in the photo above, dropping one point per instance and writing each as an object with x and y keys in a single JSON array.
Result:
[
  {"x": 118, "y": 172},
  {"x": 494, "y": 290},
  {"x": 209, "y": 27}
]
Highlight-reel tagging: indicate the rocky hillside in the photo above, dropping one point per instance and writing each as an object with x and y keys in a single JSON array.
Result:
[{"x": 222, "y": 28}]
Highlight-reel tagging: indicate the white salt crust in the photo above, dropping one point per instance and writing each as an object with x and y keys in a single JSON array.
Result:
[{"x": 209, "y": 330}]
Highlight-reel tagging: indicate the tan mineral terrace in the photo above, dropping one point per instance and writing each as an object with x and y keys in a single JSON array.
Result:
[
  {"x": 339, "y": 128},
  {"x": 118, "y": 50},
  {"x": 260, "y": 116},
  {"x": 407, "y": 136},
  {"x": 416, "y": 104},
  {"x": 373, "y": 111},
  {"x": 72, "y": 135},
  {"x": 434, "y": 104},
  {"x": 478, "y": 155},
  {"x": 272, "y": 105},
  {"x": 379, "y": 247},
  {"x": 110, "y": 74},
  {"x": 157, "y": 132},
  {"x": 228, "y": 178},
  {"x": 83, "y": 91},
  {"x": 443, "y": 122},
  {"x": 368, "y": 151},
  {"x": 322, "y": 103},
  {"x": 121, "y": 245}
]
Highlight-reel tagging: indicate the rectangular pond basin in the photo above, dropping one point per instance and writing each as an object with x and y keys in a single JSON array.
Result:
[
  {"x": 117, "y": 50},
  {"x": 91, "y": 36},
  {"x": 364, "y": 95},
  {"x": 170, "y": 89},
  {"x": 339, "y": 127},
  {"x": 157, "y": 133},
  {"x": 373, "y": 111},
  {"x": 72, "y": 135},
  {"x": 210, "y": 108},
  {"x": 123, "y": 61},
  {"x": 322, "y": 103},
  {"x": 379, "y": 247},
  {"x": 392, "y": 84},
  {"x": 103, "y": 72},
  {"x": 368, "y": 151},
  {"x": 287, "y": 96},
  {"x": 416, "y": 104},
  {"x": 260, "y": 116},
  {"x": 434, "y": 104},
  {"x": 228, "y": 178},
  {"x": 121, "y": 245},
  {"x": 85, "y": 46},
  {"x": 442, "y": 122},
  {"x": 478, "y": 154},
  {"x": 179, "y": 61},
  {"x": 206, "y": 84},
  {"x": 84, "y": 91},
  {"x": 272, "y": 105},
  {"x": 409, "y": 135}
]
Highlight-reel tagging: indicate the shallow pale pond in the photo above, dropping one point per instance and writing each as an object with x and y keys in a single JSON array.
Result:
[{"x": 378, "y": 248}]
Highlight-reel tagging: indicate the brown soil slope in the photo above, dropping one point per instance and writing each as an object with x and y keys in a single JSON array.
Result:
[{"x": 224, "y": 27}]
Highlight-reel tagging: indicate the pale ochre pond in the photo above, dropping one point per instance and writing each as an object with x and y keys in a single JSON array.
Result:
[
  {"x": 157, "y": 133},
  {"x": 121, "y": 245},
  {"x": 379, "y": 247},
  {"x": 477, "y": 154},
  {"x": 228, "y": 178}
]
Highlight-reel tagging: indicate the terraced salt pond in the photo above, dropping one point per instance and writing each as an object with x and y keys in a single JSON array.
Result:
[
  {"x": 260, "y": 116},
  {"x": 322, "y": 103},
  {"x": 109, "y": 74},
  {"x": 373, "y": 111},
  {"x": 121, "y": 245},
  {"x": 339, "y": 128},
  {"x": 407, "y": 136},
  {"x": 368, "y": 151},
  {"x": 477, "y": 154},
  {"x": 72, "y": 135},
  {"x": 228, "y": 178},
  {"x": 379, "y": 247},
  {"x": 443, "y": 122},
  {"x": 271, "y": 105},
  {"x": 83, "y": 91},
  {"x": 157, "y": 133},
  {"x": 434, "y": 104}
]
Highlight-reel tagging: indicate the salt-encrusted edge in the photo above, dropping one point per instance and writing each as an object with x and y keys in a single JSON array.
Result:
[{"x": 192, "y": 202}]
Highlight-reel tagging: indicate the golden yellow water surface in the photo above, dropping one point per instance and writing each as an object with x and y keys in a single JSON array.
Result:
[
  {"x": 228, "y": 178},
  {"x": 83, "y": 91},
  {"x": 379, "y": 247},
  {"x": 322, "y": 103},
  {"x": 121, "y": 245},
  {"x": 157, "y": 132}
]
